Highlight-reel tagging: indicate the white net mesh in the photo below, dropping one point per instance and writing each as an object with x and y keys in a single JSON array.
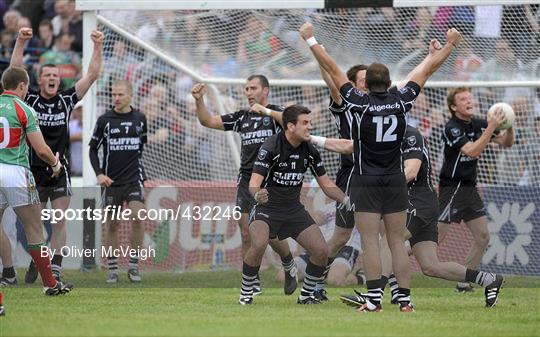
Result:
[{"x": 501, "y": 44}]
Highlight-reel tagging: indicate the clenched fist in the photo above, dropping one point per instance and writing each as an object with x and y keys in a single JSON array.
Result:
[
  {"x": 25, "y": 33},
  {"x": 198, "y": 91},
  {"x": 97, "y": 37},
  {"x": 306, "y": 31}
]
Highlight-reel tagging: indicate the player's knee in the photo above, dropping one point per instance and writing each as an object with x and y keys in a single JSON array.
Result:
[
  {"x": 430, "y": 270},
  {"x": 320, "y": 256},
  {"x": 483, "y": 239},
  {"x": 335, "y": 280}
]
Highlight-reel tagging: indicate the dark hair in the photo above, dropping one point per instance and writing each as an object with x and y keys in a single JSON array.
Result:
[
  {"x": 377, "y": 77},
  {"x": 47, "y": 23},
  {"x": 46, "y": 65},
  {"x": 262, "y": 80},
  {"x": 291, "y": 113},
  {"x": 451, "y": 97},
  {"x": 13, "y": 76},
  {"x": 351, "y": 73}
]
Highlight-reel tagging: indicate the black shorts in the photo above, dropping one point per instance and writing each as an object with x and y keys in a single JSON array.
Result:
[
  {"x": 422, "y": 229},
  {"x": 116, "y": 195},
  {"x": 283, "y": 221},
  {"x": 379, "y": 194},
  {"x": 347, "y": 253},
  {"x": 244, "y": 199},
  {"x": 51, "y": 188},
  {"x": 457, "y": 203},
  {"x": 344, "y": 218}
]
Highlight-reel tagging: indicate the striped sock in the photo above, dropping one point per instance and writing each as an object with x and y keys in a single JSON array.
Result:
[
  {"x": 404, "y": 296},
  {"x": 313, "y": 275},
  {"x": 320, "y": 284},
  {"x": 287, "y": 262},
  {"x": 112, "y": 264},
  {"x": 8, "y": 272},
  {"x": 479, "y": 277},
  {"x": 133, "y": 262},
  {"x": 374, "y": 293},
  {"x": 56, "y": 264},
  {"x": 249, "y": 279},
  {"x": 392, "y": 282}
]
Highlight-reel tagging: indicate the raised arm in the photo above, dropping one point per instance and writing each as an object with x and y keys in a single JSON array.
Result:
[
  {"x": 82, "y": 85},
  {"x": 326, "y": 62},
  {"x": 24, "y": 35},
  {"x": 433, "y": 61},
  {"x": 277, "y": 115},
  {"x": 205, "y": 118}
]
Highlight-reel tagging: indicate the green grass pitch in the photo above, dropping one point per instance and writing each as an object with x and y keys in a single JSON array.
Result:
[{"x": 205, "y": 304}]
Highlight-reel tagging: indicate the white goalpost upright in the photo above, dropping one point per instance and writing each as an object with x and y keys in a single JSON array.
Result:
[{"x": 164, "y": 47}]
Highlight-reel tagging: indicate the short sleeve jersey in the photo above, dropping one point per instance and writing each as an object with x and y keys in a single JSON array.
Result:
[
  {"x": 421, "y": 192},
  {"x": 457, "y": 167},
  {"x": 254, "y": 129},
  {"x": 53, "y": 116},
  {"x": 283, "y": 167},
  {"x": 378, "y": 127},
  {"x": 122, "y": 137},
  {"x": 17, "y": 120}
]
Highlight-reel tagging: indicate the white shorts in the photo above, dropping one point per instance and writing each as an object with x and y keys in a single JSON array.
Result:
[{"x": 17, "y": 186}]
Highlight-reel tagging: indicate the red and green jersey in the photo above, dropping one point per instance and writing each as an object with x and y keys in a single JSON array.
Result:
[{"x": 16, "y": 120}]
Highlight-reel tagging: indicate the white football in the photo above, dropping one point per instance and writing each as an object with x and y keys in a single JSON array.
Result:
[{"x": 509, "y": 115}]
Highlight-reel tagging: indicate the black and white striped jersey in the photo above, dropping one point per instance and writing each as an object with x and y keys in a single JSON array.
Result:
[
  {"x": 122, "y": 136},
  {"x": 422, "y": 195},
  {"x": 343, "y": 118},
  {"x": 378, "y": 128},
  {"x": 283, "y": 167},
  {"x": 457, "y": 167},
  {"x": 53, "y": 116},
  {"x": 254, "y": 129}
]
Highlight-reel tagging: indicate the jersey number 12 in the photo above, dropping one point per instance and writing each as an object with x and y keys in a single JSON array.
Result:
[{"x": 389, "y": 135}]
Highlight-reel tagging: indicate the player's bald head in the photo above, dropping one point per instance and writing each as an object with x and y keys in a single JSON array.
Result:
[
  {"x": 124, "y": 84},
  {"x": 378, "y": 77}
]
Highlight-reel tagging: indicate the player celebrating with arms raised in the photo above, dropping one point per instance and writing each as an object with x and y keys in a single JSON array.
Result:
[
  {"x": 378, "y": 186},
  {"x": 254, "y": 129},
  {"x": 53, "y": 107}
]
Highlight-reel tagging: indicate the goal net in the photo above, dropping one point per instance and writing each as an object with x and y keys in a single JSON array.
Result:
[{"x": 163, "y": 53}]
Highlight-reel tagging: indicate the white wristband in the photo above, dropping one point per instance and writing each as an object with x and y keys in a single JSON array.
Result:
[
  {"x": 56, "y": 167},
  {"x": 318, "y": 141},
  {"x": 312, "y": 41},
  {"x": 267, "y": 111}
]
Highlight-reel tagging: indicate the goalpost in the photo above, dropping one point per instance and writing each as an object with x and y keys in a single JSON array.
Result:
[{"x": 164, "y": 47}]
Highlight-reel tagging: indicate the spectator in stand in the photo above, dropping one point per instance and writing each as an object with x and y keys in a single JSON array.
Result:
[
  {"x": 76, "y": 30},
  {"x": 420, "y": 32},
  {"x": 6, "y": 48},
  {"x": 65, "y": 59},
  {"x": 11, "y": 22},
  {"x": 468, "y": 65},
  {"x": 64, "y": 11},
  {"x": 75, "y": 139},
  {"x": 46, "y": 36},
  {"x": 32, "y": 9}
]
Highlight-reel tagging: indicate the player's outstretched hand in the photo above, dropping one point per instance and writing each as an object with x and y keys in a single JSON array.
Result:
[
  {"x": 25, "y": 33},
  {"x": 497, "y": 118},
  {"x": 453, "y": 36},
  {"x": 104, "y": 181},
  {"x": 57, "y": 167},
  {"x": 198, "y": 91},
  {"x": 434, "y": 45},
  {"x": 97, "y": 37},
  {"x": 256, "y": 107},
  {"x": 262, "y": 196},
  {"x": 306, "y": 31}
]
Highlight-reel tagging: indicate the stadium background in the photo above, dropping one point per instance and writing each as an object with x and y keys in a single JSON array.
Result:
[{"x": 164, "y": 52}]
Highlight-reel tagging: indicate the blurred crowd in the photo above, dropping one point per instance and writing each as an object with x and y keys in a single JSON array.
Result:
[{"x": 500, "y": 43}]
